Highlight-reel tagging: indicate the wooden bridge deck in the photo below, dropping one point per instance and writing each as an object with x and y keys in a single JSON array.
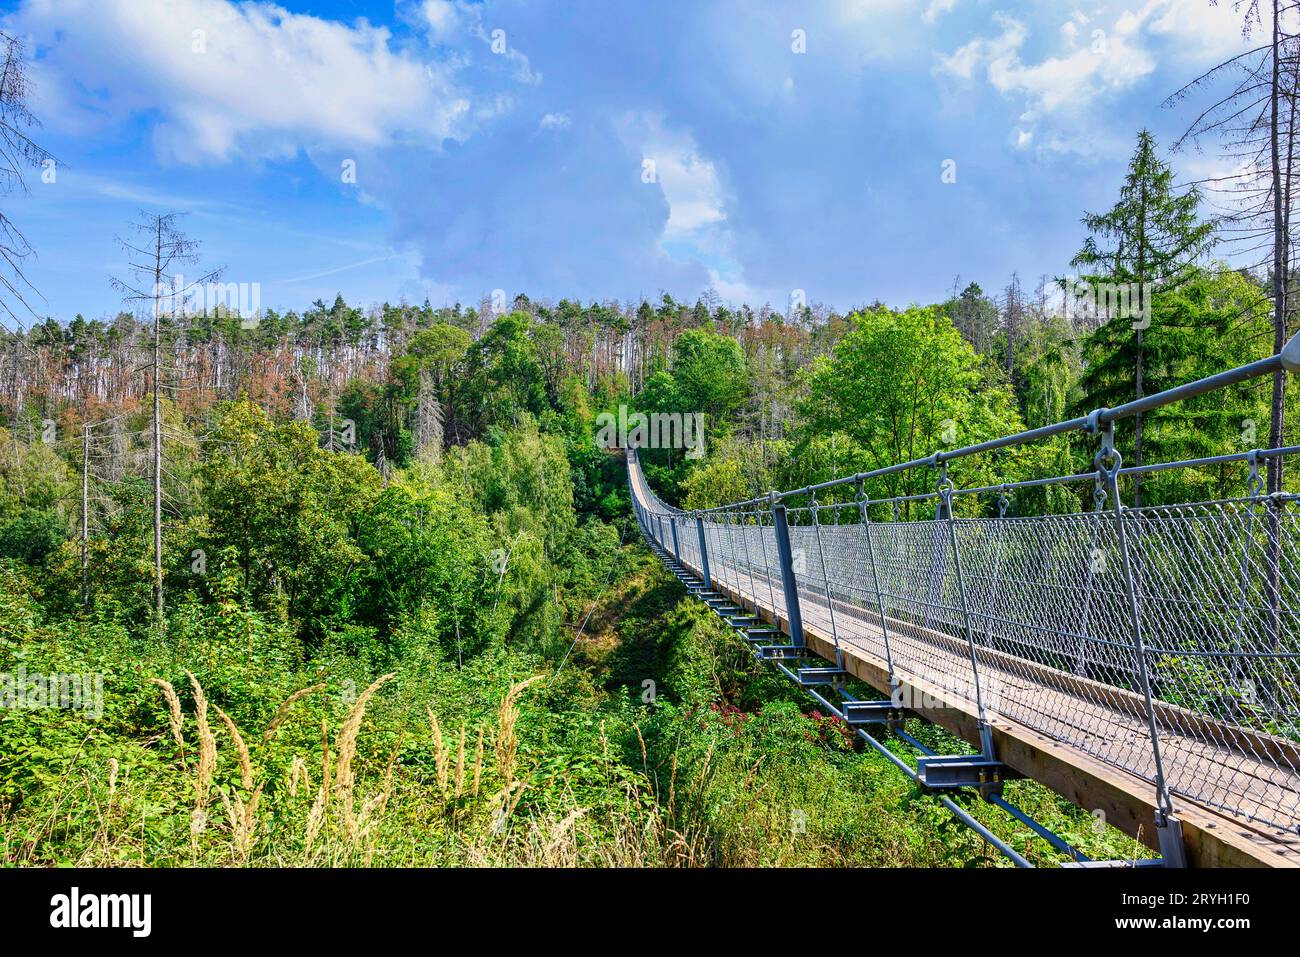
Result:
[{"x": 1037, "y": 710}]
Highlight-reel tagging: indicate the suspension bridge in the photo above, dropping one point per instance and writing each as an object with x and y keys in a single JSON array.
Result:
[{"x": 1143, "y": 661}]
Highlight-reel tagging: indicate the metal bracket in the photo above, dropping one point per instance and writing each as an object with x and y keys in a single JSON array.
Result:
[
  {"x": 1169, "y": 832},
  {"x": 1093, "y": 424},
  {"x": 1254, "y": 482},
  {"x": 858, "y": 713},
  {"x": 818, "y": 677},
  {"x": 951, "y": 772}
]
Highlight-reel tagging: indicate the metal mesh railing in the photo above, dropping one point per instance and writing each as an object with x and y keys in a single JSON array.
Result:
[
  {"x": 1047, "y": 609},
  {"x": 1162, "y": 639}
]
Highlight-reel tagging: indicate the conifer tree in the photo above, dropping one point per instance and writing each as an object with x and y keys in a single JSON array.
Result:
[{"x": 1148, "y": 245}]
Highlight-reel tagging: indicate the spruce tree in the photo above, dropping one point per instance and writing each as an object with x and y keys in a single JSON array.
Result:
[{"x": 1154, "y": 235}]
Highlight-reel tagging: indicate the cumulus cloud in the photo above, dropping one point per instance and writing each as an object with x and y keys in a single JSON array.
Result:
[
  {"x": 1096, "y": 61},
  {"x": 1108, "y": 62},
  {"x": 697, "y": 228},
  {"x": 1099, "y": 55},
  {"x": 690, "y": 184},
  {"x": 226, "y": 79},
  {"x": 1196, "y": 30},
  {"x": 454, "y": 20},
  {"x": 539, "y": 220},
  {"x": 1105, "y": 66}
]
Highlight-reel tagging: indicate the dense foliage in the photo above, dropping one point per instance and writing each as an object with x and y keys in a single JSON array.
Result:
[{"x": 406, "y": 620}]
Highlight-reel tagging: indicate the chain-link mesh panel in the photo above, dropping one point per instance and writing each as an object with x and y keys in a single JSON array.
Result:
[{"x": 1048, "y": 614}]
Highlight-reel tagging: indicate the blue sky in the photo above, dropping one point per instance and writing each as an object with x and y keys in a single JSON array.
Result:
[{"x": 610, "y": 149}]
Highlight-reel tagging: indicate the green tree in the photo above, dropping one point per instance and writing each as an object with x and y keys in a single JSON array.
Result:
[
  {"x": 431, "y": 558},
  {"x": 504, "y": 375},
  {"x": 901, "y": 385},
  {"x": 290, "y": 511},
  {"x": 718, "y": 481},
  {"x": 709, "y": 373},
  {"x": 435, "y": 357},
  {"x": 1154, "y": 235},
  {"x": 1214, "y": 320}
]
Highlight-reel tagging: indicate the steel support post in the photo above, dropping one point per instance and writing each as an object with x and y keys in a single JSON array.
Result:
[
  {"x": 785, "y": 557},
  {"x": 880, "y": 599},
  {"x": 826, "y": 581},
  {"x": 1168, "y": 828},
  {"x": 704, "y": 550},
  {"x": 945, "y": 490}
]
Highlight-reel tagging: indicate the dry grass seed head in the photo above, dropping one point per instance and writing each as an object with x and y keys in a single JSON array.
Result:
[
  {"x": 298, "y": 775},
  {"x": 460, "y": 764},
  {"x": 347, "y": 750},
  {"x": 439, "y": 753},
  {"x": 207, "y": 744},
  {"x": 173, "y": 713},
  {"x": 282, "y": 712},
  {"x": 507, "y": 742},
  {"x": 245, "y": 762}
]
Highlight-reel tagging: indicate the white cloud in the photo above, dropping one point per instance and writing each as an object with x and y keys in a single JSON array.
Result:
[
  {"x": 1075, "y": 80},
  {"x": 936, "y": 9},
  {"x": 690, "y": 184},
  {"x": 1108, "y": 62},
  {"x": 1197, "y": 30},
  {"x": 227, "y": 79},
  {"x": 1100, "y": 55},
  {"x": 555, "y": 121},
  {"x": 995, "y": 52},
  {"x": 441, "y": 17},
  {"x": 454, "y": 20}
]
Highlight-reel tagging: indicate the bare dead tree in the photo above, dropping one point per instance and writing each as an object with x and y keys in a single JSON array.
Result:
[
  {"x": 1255, "y": 121},
  {"x": 18, "y": 153},
  {"x": 428, "y": 421},
  {"x": 152, "y": 261},
  {"x": 1252, "y": 115},
  {"x": 85, "y": 516},
  {"x": 1013, "y": 319}
]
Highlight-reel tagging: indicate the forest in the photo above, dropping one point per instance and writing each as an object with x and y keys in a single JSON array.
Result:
[
  {"x": 399, "y": 613},
  {"x": 360, "y": 585}
]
